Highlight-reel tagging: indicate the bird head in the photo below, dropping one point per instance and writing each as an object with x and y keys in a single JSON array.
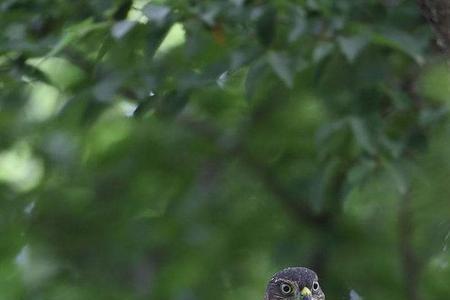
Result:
[{"x": 294, "y": 284}]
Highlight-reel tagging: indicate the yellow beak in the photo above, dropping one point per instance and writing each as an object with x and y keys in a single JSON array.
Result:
[{"x": 305, "y": 293}]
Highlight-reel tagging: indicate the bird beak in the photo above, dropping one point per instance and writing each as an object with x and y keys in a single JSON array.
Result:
[{"x": 305, "y": 294}]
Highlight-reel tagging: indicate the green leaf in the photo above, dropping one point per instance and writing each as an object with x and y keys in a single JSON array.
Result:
[
  {"x": 362, "y": 135},
  {"x": 354, "y": 295},
  {"x": 300, "y": 24},
  {"x": 106, "y": 89},
  {"x": 322, "y": 50},
  {"x": 175, "y": 37},
  {"x": 359, "y": 173},
  {"x": 352, "y": 46},
  {"x": 399, "y": 98},
  {"x": 402, "y": 41},
  {"x": 435, "y": 83},
  {"x": 157, "y": 13},
  {"x": 399, "y": 178},
  {"x": 281, "y": 65},
  {"x": 430, "y": 116},
  {"x": 61, "y": 73},
  {"x": 121, "y": 28},
  {"x": 171, "y": 104},
  {"x": 254, "y": 78},
  {"x": 76, "y": 32},
  {"x": 156, "y": 36}
]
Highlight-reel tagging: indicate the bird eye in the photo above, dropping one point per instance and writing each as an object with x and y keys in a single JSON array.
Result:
[
  {"x": 315, "y": 286},
  {"x": 286, "y": 288}
]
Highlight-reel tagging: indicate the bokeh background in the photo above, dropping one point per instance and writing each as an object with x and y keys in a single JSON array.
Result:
[{"x": 190, "y": 149}]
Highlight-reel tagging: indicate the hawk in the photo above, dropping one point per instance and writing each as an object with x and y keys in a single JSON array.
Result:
[{"x": 296, "y": 283}]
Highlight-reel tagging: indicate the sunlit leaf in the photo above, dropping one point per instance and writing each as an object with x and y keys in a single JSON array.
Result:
[
  {"x": 61, "y": 73},
  {"x": 175, "y": 37}
]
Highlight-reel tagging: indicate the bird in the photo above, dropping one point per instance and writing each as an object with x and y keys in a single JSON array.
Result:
[{"x": 294, "y": 283}]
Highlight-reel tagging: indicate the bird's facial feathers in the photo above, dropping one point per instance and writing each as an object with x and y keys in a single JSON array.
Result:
[{"x": 294, "y": 284}]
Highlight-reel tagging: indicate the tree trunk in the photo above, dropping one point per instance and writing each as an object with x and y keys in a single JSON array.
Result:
[{"x": 437, "y": 12}]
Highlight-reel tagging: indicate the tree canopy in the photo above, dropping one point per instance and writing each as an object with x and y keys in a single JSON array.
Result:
[{"x": 184, "y": 149}]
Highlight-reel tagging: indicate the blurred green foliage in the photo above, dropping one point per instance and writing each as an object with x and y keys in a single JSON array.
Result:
[{"x": 189, "y": 149}]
